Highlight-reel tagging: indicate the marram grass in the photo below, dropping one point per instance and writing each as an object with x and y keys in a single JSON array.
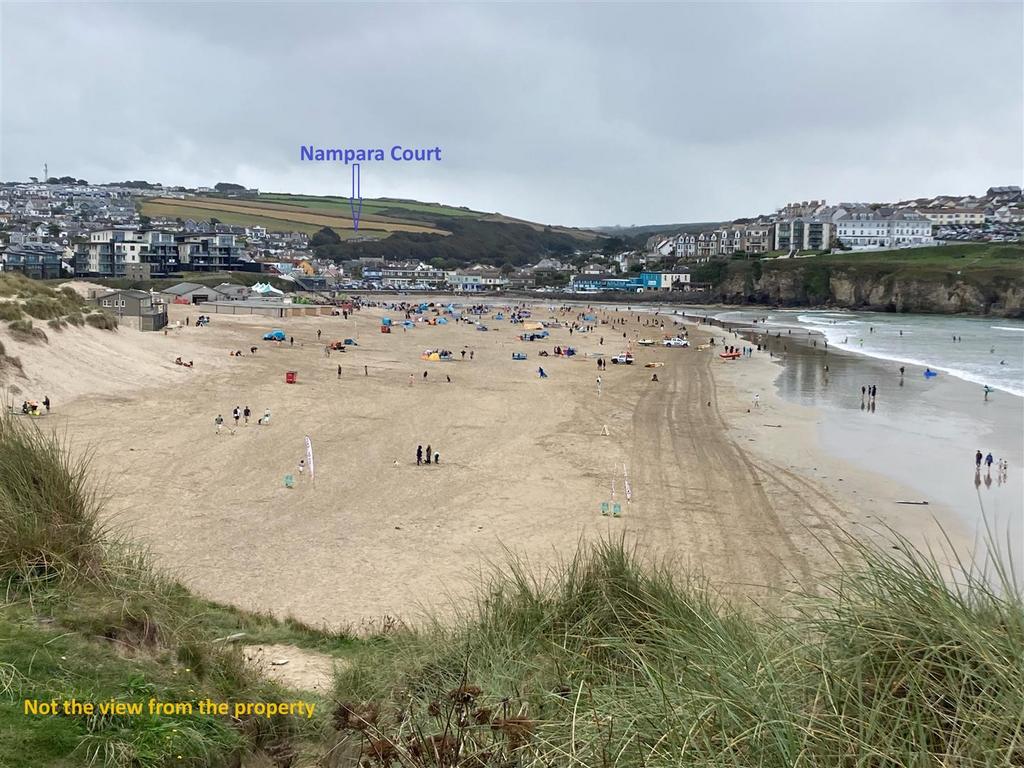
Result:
[{"x": 608, "y": 661}]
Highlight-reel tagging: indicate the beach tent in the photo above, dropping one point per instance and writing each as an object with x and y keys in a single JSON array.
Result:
[
  {"x": 266, "y": 289},
  {"x": 408, "y": 324},
  {"x": 589, "y": 318},
  {"x": 275, "y": 335},
  {"x": 385, "y": 321},
  {"x": 533, "y": 326},
  {"x": 442, "y": 321}
]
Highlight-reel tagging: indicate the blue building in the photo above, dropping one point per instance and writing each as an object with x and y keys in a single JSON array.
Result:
[
  {"x": 645, "y": 281},
  {"x": 41, "y": 261}
]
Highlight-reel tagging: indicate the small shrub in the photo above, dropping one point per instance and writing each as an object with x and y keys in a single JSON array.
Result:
[
  {"x": 102, "y": 320},
  {"x": 43, "y": 309},
  {"x": 24, "y": 330},
  {"x": 10, "y": 310},
  {"x": 56, "y": 323},
  {"x": 75, "y": 318}
]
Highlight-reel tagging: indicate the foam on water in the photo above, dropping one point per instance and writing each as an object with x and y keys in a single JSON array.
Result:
[{"x": 990, "y": 355}]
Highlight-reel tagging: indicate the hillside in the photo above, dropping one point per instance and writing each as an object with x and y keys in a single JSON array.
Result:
[
  {"x": 398, "y": 229},
  {"x": 971, "y": 278}
]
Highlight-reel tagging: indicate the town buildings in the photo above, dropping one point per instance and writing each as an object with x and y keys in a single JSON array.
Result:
[{"x": 881, "y": 228}]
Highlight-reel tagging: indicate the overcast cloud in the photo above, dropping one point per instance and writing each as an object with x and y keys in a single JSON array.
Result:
[{"x": 571, "y": 114}]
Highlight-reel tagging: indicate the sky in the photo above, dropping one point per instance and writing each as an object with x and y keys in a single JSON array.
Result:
[{"x": 573, "y": 114}]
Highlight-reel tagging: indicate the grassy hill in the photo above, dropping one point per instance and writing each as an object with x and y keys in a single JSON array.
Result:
[
  {"x": 388, "y": 227},
  {"x": 605, "y": 660},
  {"x": 306, "y": 213}
]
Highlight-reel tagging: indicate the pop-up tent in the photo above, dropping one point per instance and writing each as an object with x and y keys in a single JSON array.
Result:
[
  {"x": 266, "y": 289},
  {"x": 385, "y": 321},
  {"x": 442, "y": 321}
]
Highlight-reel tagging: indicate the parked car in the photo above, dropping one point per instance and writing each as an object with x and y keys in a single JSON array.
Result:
[
  {"x": 624, "y": 359},
  {"x": 275, "y": 335},
  {"x": 676, "y": 342}
]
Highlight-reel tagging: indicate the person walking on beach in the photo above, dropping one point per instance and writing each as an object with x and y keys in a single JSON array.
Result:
[
  {"x": 291, "y": 341},
  {"x": 471, "y": 354},
  {"x": 988, "y": 462},
  {"x": 428, "y": 454},
  {"x": 46, "y": 403},
  {"x": 437, "y": 458},
  {"x": 599, "y": 385},
  {"x": 339, "y": 370},
  {"x": 977, "y": 459},
  {"x": 863, "y": 393},
  {"x": 463, "y": 354},
  {"x": 366, "y": 371},
  {"x": 419, "y": 455},
  {"x": 757, "y": 400},
  {"x": 541, "y": 374},
  {"x": 318, "y": 334},
  {"x": 902, "y": 370},
  {"x": 219, "y": 421},
  {"x": 424, "y": 375},
  {"x": 237, "y": 413},
  {"x": 247, "y": 413},
  {"x": 302, "y": 467},
  {"x": 988, "y": 391}
]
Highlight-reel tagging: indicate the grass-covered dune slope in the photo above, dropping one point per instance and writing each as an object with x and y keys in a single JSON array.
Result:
[{"x": 602, "y": 661}]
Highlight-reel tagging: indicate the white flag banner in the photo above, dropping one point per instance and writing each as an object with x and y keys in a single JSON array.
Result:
[{"x": 309, "y": 457}]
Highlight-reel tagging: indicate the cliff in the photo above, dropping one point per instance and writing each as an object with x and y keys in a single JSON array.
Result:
[{"x": 983, "y": 280}]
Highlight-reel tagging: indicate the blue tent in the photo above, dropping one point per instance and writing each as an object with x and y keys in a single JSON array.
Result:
[
  {"x": 442, "y": 321},
  {"x": 385, "y": 321},
  {"x": 409, "y": 324}
]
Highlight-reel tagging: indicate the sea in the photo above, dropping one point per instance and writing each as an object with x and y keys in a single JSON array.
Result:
[
  {"x": 981, "y": 350},
  {"x": 920, "y": 430}
]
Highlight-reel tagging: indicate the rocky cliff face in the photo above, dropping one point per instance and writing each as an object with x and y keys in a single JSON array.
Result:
[{"x": 814, "y": 286}]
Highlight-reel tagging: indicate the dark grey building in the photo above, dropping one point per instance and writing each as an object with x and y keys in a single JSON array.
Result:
[{"x": 139, "y": 309}]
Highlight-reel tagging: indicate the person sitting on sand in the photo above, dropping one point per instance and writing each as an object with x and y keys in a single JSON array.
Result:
[
  {"x": 654, "y": 377},
  {"x": 177, "y": 361}
]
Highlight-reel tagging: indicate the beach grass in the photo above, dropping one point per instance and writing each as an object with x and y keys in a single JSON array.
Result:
[
  {"x": 605, "y": 659},
  {"x": 85, "y": 616},
  {"x": 609, "y": 661}
]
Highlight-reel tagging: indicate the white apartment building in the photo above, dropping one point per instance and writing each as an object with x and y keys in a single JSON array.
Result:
[
  {"x": 866, "y": 228},
  {"x": 953, "y": 217}
]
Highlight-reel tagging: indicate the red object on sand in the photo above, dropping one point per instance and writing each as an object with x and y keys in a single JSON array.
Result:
[{"x": 290, "y": 377}]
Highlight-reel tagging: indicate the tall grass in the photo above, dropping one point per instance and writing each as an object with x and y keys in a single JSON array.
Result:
[
  {"x": 48, "y": 512},
  {"x": 59, "y": 568},
  {"x": 607, "y": 661}
]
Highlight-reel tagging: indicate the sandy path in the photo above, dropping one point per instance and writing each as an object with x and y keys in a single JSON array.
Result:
[{"x": 524, "y": 463}]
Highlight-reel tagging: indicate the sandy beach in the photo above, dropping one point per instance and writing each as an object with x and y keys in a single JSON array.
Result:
[{"x": 739, "y": 491}]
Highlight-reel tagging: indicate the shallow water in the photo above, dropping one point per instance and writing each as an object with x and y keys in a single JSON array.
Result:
[{"x": 988, "y": 351}]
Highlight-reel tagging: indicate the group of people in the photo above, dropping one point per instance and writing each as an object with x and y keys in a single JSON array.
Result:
[
  {"x": 239, "y": 414},
  {"x": 179, "y": 361},
  {"x": 426, "y": 457},
  {"x": 33, "y": 407},
  {"x": 988, "y": 460}
]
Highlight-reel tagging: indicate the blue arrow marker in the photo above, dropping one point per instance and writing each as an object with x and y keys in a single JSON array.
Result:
[{"x": 357, "y": 209}]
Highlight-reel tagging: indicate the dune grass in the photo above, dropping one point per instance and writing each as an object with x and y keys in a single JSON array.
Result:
[
  {"x": 86, "y": 616},
  {"x": 606, "y": 661}
]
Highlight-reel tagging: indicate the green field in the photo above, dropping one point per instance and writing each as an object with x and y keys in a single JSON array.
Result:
[
  {"x": 273, "y": 223},
  {"x": 957, "y": 256},
  {"x": 375, "y": 205}
]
